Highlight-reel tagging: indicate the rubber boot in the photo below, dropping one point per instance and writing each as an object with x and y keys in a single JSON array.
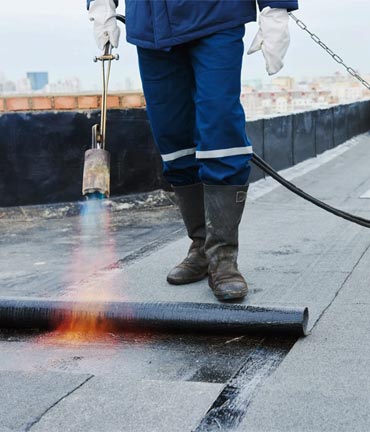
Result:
[
  {"x": 224, "y": 207},
  {"x": 195, "y": 266}
]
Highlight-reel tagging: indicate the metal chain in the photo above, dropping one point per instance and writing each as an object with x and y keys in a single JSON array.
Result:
[{"x": 335, "y": 57}]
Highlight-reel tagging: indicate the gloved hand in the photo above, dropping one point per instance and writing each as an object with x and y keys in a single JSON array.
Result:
[
  {"x": 273, "y": 38},
  {"x": 103, "y": 13}
]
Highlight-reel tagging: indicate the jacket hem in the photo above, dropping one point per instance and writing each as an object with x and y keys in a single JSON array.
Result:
[
  {"x": 181, "y": 39},
  {"x": 290, "y": 5}
]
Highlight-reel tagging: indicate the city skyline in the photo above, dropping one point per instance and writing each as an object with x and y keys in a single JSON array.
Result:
[
  {"x": 63, "y": 42},
  {"x": 73, "y": 84},
  {"x": 282, "y": 95}
]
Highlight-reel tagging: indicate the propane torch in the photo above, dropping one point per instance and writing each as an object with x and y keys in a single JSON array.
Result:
[{"x": 96, "y": 173}]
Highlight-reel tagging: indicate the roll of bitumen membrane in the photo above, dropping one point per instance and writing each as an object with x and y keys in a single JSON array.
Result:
[{"x": 46, "y": 314}]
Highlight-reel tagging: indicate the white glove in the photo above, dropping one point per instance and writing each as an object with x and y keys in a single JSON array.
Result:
[
  {"x": 103, "y": 13},
  {"x": 273, "y": 38}
]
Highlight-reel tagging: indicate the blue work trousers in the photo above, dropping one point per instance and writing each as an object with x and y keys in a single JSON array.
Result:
[{"x": 192, "y": 93}]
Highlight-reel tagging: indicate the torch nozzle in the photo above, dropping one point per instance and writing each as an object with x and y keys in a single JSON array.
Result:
[{"x": 96, "y": 175}]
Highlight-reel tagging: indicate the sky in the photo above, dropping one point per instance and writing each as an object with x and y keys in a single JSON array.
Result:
[{"x": 56, "y": 36}]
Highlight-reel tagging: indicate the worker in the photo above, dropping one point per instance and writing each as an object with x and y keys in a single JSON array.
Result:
[{"x": 190, "y": 58}]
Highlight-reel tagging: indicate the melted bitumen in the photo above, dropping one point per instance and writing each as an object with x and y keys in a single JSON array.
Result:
[{"x": 232, "y": 404}]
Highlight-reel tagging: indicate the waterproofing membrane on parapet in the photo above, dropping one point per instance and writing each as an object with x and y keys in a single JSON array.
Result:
[{"x": 43, "y": 153}]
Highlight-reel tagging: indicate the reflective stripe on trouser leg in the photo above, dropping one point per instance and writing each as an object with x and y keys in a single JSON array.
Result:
[
  {"x": 168, "y": 83},
  {"x": 223, "y": 149}
]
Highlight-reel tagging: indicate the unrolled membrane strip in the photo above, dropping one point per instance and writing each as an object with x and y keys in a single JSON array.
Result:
[{"x": 47, "y": 314}]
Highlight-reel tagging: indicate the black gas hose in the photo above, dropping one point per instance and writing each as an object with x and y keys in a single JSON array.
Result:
[{"x": 264, "y": 166}]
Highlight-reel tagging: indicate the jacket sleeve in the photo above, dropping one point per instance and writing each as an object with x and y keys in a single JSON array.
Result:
[
  {"x": 290, "y": 5},
  {"x": 89, "y": 1}
]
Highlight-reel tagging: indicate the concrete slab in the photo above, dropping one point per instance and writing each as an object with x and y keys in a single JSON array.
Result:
[
  {"x": 113, "y": 403},
  {"x": 26, "y": 397},
  {"x": 323, "y": 383},
  {"x": 291, "y": 252},
  {"x": 366, "y": 195},
  {"x": 360, "y": 281}
]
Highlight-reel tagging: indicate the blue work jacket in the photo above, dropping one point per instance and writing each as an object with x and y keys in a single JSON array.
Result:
[{"x": 160, "y": 24}]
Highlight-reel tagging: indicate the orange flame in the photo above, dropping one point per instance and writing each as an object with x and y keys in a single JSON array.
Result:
[
  {"x": 79, "y": 329},
  {"x": 96, "y": 250}
]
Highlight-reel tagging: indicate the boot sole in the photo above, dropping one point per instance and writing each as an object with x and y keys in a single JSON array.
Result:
[{"x": 230, "y": 296}]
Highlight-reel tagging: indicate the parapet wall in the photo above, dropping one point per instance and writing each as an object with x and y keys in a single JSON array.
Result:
[
  {"x": 42, "y": 153},
  {"x": 287, "y": 140},
  {"x": 66, "y": 102}
]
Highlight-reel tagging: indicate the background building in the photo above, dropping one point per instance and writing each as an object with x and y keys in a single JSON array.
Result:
[
  {"x": 284, "y": 95},
  {"x": 38, "y": 80}
]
